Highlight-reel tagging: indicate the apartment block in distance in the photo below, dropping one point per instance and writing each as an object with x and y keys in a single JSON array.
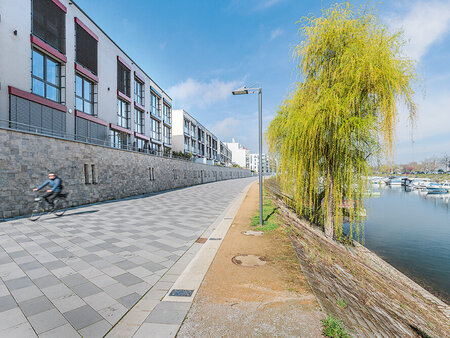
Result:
[
  {"x": 191, "y": 137},
  {"x": 240, "y": 154},
  {"x": 267, "y": 164},
  {"x": 61, "y": 75}
]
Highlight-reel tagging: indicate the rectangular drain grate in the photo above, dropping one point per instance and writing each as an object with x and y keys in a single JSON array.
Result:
[
  {"x": 215, "y": 239},
  {"x": 181, "y": 293}
]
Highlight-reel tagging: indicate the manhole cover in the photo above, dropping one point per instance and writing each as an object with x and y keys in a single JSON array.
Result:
[
  {"x": 253, "y": 233},
  {"x": 248, "y": 260},
  {"x": 181, "y": 293}
]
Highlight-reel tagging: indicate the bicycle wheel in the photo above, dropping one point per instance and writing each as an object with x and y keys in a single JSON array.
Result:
[
  {"x": 37, "y": 211},
  {"x": 60, "y": 207}
]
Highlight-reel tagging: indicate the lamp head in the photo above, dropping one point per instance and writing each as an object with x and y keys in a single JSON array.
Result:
[{"x": 241, "y": 91}]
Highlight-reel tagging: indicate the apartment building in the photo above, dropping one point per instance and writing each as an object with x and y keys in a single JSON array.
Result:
[
  {"x": 267, "y": 165},
  {"x": 191, "y": 137},
  {"x": 61, "y": 75},
  {"x": 240, "y": 154}
]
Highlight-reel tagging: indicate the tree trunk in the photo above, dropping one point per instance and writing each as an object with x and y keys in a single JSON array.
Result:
[{"x": 329, "y": 221}]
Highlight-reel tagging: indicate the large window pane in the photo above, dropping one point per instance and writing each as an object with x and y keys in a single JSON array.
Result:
[
  {"x": 38, "y": 87},
  {"x": 79, "y": 86},
  {"x": 79, "y": 104},
  {"x": 52, "y": 72},
  {"x": 38, "y": 65},
  {"x": 87, "y": 90},
  {"x": 52, "y": 93}
]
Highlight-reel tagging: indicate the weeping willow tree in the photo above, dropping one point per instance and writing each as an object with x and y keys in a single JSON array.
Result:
[{"x": 341, "y": 115}]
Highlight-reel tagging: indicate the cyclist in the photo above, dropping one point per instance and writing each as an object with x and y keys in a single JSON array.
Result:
[{"x": 55, "y": 188}]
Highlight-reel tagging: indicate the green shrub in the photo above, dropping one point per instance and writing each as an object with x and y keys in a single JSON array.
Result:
[{"x": 332, "y": 327}]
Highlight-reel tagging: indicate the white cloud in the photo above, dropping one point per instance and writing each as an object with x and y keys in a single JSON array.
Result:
[
  {"x": 193, "y": 93},
  {"x": 275, "y": 33},
  {"x": 268, "y": 3},
  {"x": 424, "y": 24},
  {"x": 227, "y": 127}
]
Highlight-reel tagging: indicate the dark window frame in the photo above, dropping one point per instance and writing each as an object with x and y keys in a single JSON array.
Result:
[
  {"x": 139, "y": 121},
  {"x": 123, "y": 79},
  {"x": 121, "y": 117},
  {"x": 139, "y": 94},
  {"x": 84, "y": 100},
  {"x": 44, "y": 80}
]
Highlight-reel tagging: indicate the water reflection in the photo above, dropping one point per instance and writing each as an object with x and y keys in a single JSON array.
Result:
[{"x": 411, "y": 230}]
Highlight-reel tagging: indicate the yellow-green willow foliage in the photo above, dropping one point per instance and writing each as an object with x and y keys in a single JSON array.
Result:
[{"x": 343, "y": 112}]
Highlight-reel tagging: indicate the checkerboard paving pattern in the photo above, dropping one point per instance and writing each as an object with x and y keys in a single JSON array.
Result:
[{"x": 80, "y": 273}]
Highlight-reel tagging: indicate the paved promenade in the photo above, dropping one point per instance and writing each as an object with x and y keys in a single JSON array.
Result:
[{"x": 81, "y": 273}]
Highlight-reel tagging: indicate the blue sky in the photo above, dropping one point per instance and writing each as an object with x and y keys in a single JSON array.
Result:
[{"x": 199, "y": 50}]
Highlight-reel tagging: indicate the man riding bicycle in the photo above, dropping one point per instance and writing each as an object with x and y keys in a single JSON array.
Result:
[{"x": 55, "y": 188}]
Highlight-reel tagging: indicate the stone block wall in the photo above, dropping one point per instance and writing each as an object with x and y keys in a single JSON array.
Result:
[{"x": 90, "y": 173}]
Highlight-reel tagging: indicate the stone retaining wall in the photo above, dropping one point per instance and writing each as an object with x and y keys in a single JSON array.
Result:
[{"x": 90, "y": 173}]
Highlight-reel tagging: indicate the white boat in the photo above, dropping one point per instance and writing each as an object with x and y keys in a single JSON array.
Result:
[
  {"x": 397, "y": 180},
  {"x": 419, "y": 182}
]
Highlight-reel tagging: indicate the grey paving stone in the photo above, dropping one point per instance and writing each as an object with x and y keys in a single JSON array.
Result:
[
  {"x": 64, "y": 331},
  {"x": 129, "y": 300},
  {"x": 46, "y": 321},
  {"x": 31, "y": 266},
  {"x": 97, "y": 329},
  {"x": 152, "y": 266},
  {"x": 86, "y": 289},
  {"x": 46, "y": 281},
  {"x": 168, "y": 313},
  {"x": 18, "y": 254},
  {"x": 128, "y": 279},
  {"x": 125, "y": 264},
  {"x": 36, "y": 305},
  {"x": 53, "y": 265},
  {"x": 156, "y": 330},
  {"x": 7, "y": 303},
  {"x": 82, "y": 317},
  {"x": 74, "y": 280},
  {"x": 18, "y": 283}
]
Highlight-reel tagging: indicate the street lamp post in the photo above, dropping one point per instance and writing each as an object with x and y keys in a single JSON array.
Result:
[{"x": 242, "y": 91}]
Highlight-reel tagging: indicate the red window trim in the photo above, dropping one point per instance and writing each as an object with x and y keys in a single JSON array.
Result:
[
  {"x": 123, "y": 96},
  {"x": 60, "y": 5},
  {"x": 119, "y": 128},
  {"x": 91, "y": 76},
  {"x": 155, "y": 141},
  {"x": 140, "y": 78},
  {"x": 122, "y": 61},
  {"x": 86, "y": 28},
  {"x": 49, "y": 49},
  {"x": 90, "y": 118},
  {"x": 138, "y": 106},
  {"x": 36, "y": 98},
  {"x": 142, "y": 137}
]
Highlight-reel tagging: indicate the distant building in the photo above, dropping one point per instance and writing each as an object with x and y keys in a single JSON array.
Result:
[
  {"x": 240, "y": 154},
  {"x": 268, "y": 165},
  {"x": 191, "y": 137}
]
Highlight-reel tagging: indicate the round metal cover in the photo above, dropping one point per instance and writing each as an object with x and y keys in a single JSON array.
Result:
[
  {"x": 253, "y": 233},
  {"x": 248, "y": 260}
]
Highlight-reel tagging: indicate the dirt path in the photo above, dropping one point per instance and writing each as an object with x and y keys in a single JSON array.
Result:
[{"x": 269, "y": 300}]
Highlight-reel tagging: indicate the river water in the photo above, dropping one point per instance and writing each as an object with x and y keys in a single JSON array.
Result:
[{"x": 411, "y": 231}]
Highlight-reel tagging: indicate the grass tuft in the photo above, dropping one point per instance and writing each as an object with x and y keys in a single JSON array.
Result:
[
  {"x": 269, "y": 216},
  {"x": 341, "y": 302},
  {"x": 332, "y": 327}
]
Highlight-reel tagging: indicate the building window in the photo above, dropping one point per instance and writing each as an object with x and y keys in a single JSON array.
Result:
[
  {"x": 142, "y": 145},
  {"x": 156, "y": 130},
  {"x": 155, "y": 105},
  {"x": 167, "y": 135},
  {"x": 186, "y": 127},
  {"x": 45, "y": 76},
  {"x": 123, "y": 118},
  {"x": 138, "y": 92},
  {"x": 167, "y": 114},
  {"x": 186, "y": 144},
  {"x": 119, "y": 139},
  {"x": 139, "y": 121},
  {"x": 84, "y": 95},
  {"x": 86, "y": 49},
  {"x": 123, "y": 79},
  {"x": 49, "y": 24}
]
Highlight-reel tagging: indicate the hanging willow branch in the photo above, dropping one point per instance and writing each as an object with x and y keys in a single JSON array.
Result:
[{"x": 343, "y": 113}]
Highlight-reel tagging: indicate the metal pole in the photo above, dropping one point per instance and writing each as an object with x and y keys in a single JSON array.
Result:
[{"x": 260, "y": 157}]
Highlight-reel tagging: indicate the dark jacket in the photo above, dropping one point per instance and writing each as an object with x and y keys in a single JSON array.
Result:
[{"x": 55, "y": 184}]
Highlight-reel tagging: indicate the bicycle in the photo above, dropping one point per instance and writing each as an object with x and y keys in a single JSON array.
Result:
[{"x": 59, "y": 206}]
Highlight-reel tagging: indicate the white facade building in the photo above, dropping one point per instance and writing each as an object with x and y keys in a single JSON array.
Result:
[
  {"x": 267, "y": 166},
  {"x": 240, "y": 154},
  {"x": 191, "y": 137}
]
